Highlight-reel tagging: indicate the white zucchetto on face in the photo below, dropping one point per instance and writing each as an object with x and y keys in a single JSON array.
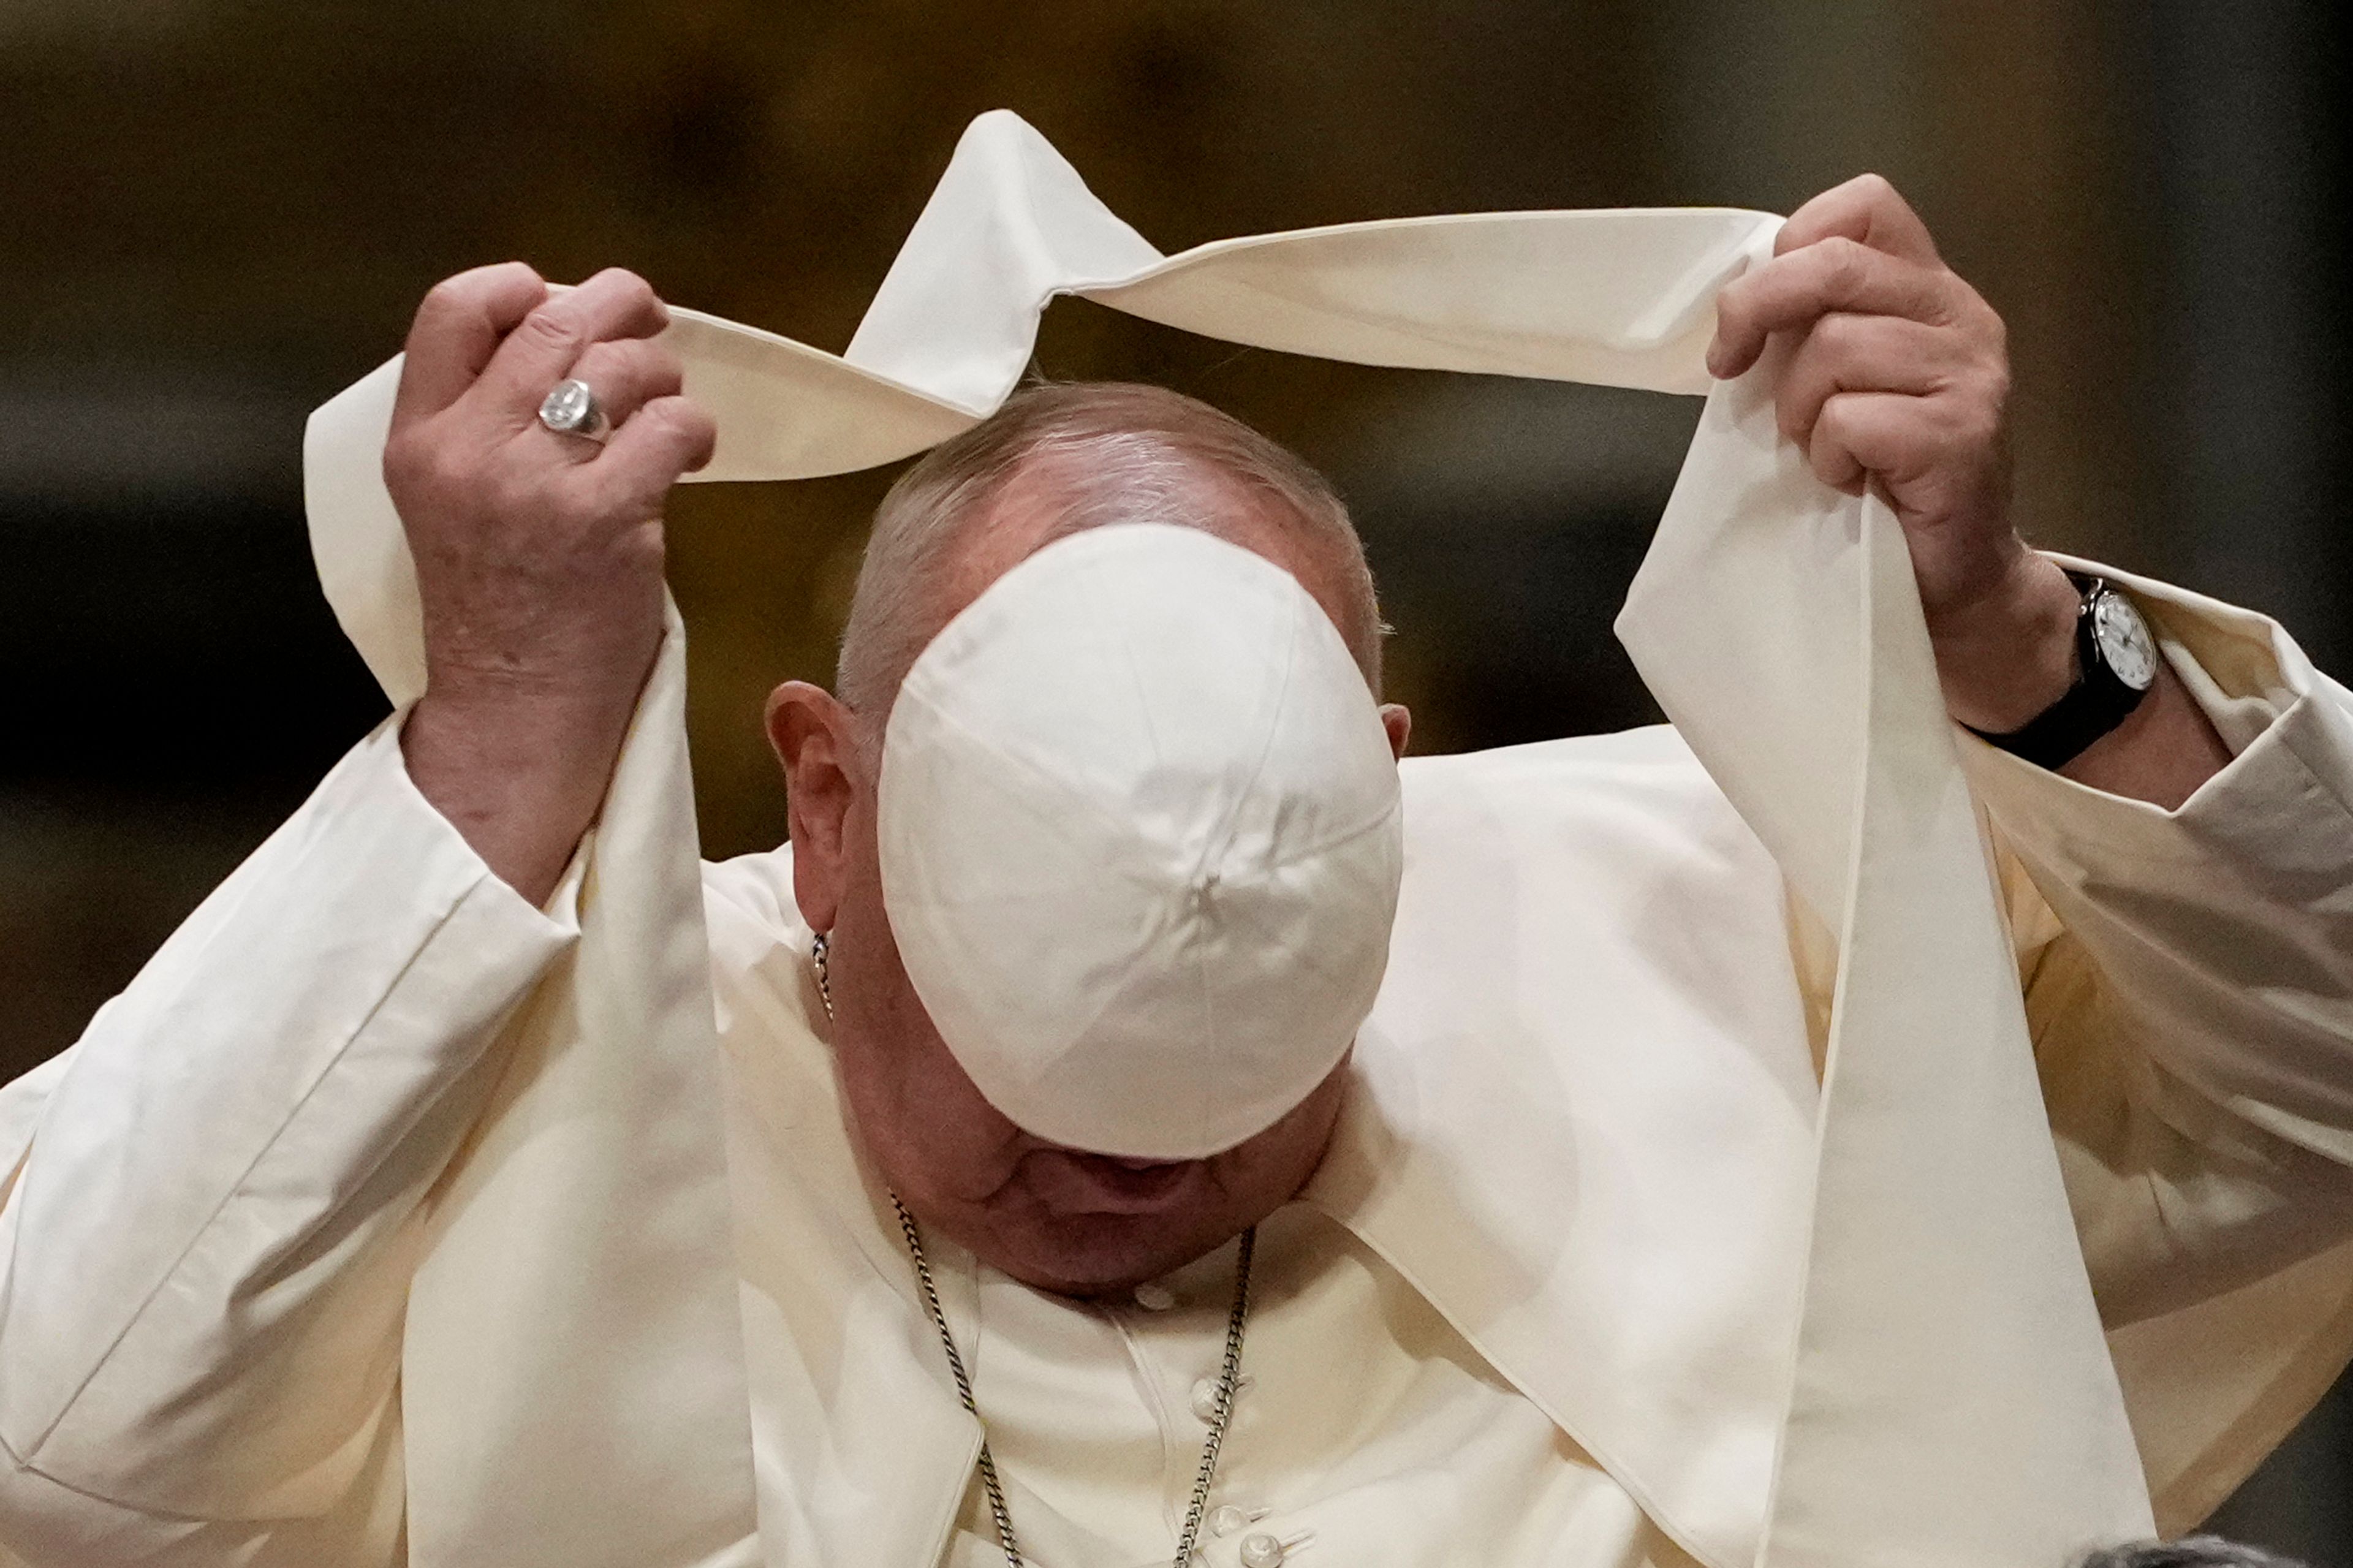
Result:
[{"x": 1141, "y": 840}]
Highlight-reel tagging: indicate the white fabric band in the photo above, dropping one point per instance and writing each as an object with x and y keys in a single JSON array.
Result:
[{"x": 1952, "y": 1400}]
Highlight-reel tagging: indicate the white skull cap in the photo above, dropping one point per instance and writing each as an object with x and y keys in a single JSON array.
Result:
[{"x": 1141, "y": 840}]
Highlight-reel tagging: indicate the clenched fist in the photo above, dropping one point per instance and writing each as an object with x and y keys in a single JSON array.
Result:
[
  {"x": 1897, "y": 374},
  {"x": 539, "y": 555}
]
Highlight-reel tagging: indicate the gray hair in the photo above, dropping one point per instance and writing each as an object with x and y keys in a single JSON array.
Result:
[
  {"x": 1124, "y": 453},
  {"x": 2190, "y": 1551}
]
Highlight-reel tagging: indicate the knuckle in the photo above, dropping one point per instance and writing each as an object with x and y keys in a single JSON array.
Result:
[
  {"x": 645, "y": 545},
  {"x": 403, "y": 473},
  {"x": 553, "y": 329},
  {"x": 1840, "y": 335},
  {"x": 1842, "y": 261},
  {"x": 450, "y": 295},
  {"x": 1832, "y": 420},
  {"x": 632, "y": 292},
  {"x": 1997, "y": 331},
  {"x": 446, "y": 306},
  {"x": 415, "y": 465},
  {"x": 701, "y": 431},
  {"x": 624, "y": 282},
  {"x": 430, "y": 476},
  {"x": 1983, "y": 428},
  {"x": 648, "y": 302},
  {"x": 686, "y": 430},
  {"x": 469, "y": 292},
  {"x": 460, "y": 289}
]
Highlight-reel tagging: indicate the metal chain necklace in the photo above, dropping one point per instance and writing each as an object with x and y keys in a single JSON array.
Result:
[{"x": 1228, "y": 1370}]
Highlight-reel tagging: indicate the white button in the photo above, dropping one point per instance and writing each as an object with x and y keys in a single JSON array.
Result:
[
  {"x": 1205, "y": 1395},
  {"x": 1226, "y": 1519},
  {"x": 1155, "y": 1298},
  {"x": 1262, "y": 1550}
]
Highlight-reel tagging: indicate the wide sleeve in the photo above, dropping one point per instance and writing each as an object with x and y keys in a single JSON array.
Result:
[
  {"x": 2188, "y": 979},
  {"x": 213, "y": 1199}
]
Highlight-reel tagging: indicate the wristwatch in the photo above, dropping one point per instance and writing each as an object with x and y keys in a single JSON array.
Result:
[{"x": 2116, "y": 661}]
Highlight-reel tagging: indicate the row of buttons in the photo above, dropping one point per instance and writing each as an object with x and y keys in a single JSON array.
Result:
[{"x": 1259, "y": 1549}]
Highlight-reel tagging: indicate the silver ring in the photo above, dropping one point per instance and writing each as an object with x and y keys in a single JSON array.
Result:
[{"x": 571, "y": 409}]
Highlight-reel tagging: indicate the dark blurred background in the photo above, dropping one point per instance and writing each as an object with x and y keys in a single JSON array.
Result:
[{"x": 215, "y": 213}]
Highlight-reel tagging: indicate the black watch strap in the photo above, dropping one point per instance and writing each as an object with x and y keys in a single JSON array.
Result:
[{"x": 2095, "y": 704}]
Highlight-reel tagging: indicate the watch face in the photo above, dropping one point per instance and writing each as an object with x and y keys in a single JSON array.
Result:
[{"x": 2124, "y": 640}]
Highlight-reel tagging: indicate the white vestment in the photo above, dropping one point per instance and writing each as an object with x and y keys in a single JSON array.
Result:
[
  {"x": 386, "y": 1216},
  {"x": 1369, "y": 1430},
  {"x": 1578, "y": 1130}
]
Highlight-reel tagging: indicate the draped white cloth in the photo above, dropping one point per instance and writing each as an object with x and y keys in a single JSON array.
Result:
[{"x": 1946, "y": 1312}]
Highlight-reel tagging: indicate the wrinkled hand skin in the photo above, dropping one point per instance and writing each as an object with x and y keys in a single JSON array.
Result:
[
  {"x": 1898, "y": 375},
  {"x": 539, "y": 556}
]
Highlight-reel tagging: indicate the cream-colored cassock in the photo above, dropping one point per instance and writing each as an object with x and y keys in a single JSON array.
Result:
[
  {"x": 1599, "y": 1033},
  {"x": 360, "y": 1228}
]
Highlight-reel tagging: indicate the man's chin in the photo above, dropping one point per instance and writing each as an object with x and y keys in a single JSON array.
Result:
[{"x": 1093, "y": 1254}]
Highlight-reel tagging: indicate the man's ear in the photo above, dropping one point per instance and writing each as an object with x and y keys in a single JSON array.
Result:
[
  {"x": 816, "y": 738},
  {"x": 1400, "y": 725}
]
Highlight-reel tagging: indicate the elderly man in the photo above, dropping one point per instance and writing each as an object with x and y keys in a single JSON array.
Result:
[{"x": 199, "y": 1378}]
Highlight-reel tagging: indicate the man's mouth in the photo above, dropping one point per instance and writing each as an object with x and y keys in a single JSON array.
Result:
[{"x": 1076, "y": 1182}]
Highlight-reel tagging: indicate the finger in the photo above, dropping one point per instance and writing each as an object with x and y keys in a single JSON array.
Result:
[
  {"x": 1890, "y": 433},
  {"x": 1865, "y": 210},
  {"x": 456, "y": 330},
  {"x": 667, "y": 437},
  {"x": 1788, "y": 292},
  {"x": 1844, "y": 352},
  {"x": 626, "y": 373},
  {"x": 545, "y": 344}
]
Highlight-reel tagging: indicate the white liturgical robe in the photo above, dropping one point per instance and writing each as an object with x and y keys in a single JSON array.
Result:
[
  {"x": 1601, "y": 1022},
  {"x": 1370, "y": 1431},
  {"x": 1730, "y": 1168}
]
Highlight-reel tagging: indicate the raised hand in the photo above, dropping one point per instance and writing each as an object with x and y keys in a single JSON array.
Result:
[
  {"x": 539, "y": 555},
  {"x": 1897, "y": 374}
]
